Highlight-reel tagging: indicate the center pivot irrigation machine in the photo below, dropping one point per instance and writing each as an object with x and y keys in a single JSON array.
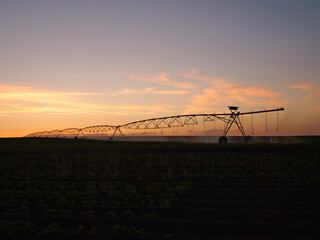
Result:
[{"x": 173, "y": 122}]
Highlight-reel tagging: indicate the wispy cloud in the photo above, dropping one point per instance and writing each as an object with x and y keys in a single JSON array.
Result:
[
  {"x": 25, "y": 99},
  {"x": 163, "y": 79},
  {"x": 311, "y": 94},
  {"x": 147, "y": 91},
  {"x": 222, "y": 92},
  {"x": 304, "y": 86},
  {"x": 30, "y": 99}
]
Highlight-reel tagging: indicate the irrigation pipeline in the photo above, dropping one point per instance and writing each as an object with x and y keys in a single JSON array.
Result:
[{"x": 173, "y": 122}]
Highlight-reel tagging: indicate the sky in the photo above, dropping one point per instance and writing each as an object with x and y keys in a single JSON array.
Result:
[{"x": 81, "y": 63}]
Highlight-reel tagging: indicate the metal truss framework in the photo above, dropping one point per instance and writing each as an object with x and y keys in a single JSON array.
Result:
[{"x": 158, "y": 123}]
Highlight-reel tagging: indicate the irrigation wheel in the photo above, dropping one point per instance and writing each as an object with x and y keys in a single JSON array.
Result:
[{"x": 223, "y": 140}]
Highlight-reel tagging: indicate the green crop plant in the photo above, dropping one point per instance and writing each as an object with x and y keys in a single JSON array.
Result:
[
  {"x": 86, "y": 214},
  {"x": 25, "y": 211},
  {"x": 51, "y": 213},
  {"x": 110, "y": 215},
  {"x": 50, "y": 231},
  {"x": 148, "y": 216},
  {"x": 120, "y": 232},
  {"x": 93, "y": 230},
  {"x": 127, "y": 215},
  {"x": 65, "y": 213}
]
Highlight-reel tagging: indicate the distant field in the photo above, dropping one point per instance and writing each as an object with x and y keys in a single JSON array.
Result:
[
  {"x": 86, "y": 189},
  {"x": 214, "y": 139},
  {"x": 193, "y": 139}
]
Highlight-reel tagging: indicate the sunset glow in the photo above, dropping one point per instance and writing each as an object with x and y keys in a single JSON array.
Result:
[{"x": 76, "y": 64}]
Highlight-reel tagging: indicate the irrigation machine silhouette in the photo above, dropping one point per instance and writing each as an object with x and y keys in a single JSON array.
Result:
[
  {"x": 164, "y": 122},
  {"x": 234, "y": 117}
]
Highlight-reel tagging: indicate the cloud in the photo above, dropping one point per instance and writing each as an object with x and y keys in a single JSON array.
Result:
[
  {"x": 303, "y": 86},
  {"x": 311, "y": 94},
  {"x": 163, "y": 79},
  {"x": 26, "y": 99},
  {"x": 223, "y": 92},
  {"x": 29, "y": 99},
  {"x": 147, "y": 91},
  {"x": 16, "y": 91}
]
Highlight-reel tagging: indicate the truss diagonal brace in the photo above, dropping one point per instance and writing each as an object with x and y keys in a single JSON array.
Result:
[
  {"x": 234, "y": 118},
  {"x": 117, "y": 128}
]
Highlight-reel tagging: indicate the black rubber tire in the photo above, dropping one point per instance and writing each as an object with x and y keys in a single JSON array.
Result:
[{"x": 223, "y": 140}]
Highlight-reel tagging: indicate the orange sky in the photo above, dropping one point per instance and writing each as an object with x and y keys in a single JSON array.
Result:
[
  {"x": 65, "y": 64},
  {"x": 27, "y": 109}
]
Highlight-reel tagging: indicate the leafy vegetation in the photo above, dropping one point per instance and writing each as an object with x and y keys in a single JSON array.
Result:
[{"x": 53, "y": 188}]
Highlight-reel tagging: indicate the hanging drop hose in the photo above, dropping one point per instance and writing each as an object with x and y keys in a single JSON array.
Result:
[
  {"x": 252, "y": 124},
  {"x": 266, "y": 123},
  {"x": 242, "y": 122},
  {"x": 277, "y": 121}
]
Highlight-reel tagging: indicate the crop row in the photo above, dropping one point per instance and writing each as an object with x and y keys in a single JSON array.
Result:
[{"x": 113, "y": 190}]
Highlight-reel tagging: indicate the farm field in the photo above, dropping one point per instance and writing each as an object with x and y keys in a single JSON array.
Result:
[{"x": 86, "y": 189}]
